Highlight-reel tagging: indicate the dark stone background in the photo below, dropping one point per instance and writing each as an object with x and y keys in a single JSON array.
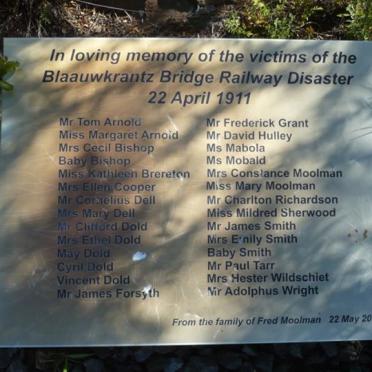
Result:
[{"x": 326, "y": 356}]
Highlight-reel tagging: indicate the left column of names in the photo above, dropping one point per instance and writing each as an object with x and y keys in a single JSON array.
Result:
[{"x": 102, "y": 202}]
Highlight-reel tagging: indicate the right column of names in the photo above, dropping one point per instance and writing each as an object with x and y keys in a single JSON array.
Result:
[{"x": 255, "y": 209}]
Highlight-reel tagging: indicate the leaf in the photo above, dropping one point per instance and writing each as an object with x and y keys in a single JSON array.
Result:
[
  {"x": 6, "y": 86},
  {"x": 65, "y": 367},
  {"x": 7, "y": 69}
]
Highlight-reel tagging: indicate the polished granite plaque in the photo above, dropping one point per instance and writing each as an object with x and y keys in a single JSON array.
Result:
[{"x": 186, "y": 191}]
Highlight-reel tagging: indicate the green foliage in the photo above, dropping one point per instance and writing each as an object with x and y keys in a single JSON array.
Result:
[
  {"x": 273, "y": 19},
  {"x": 7, "y": 69},
  {"x": 45, "y": 14},
  {"x": 234, "y": 26},
  {"x": 303, "y": 19},
  {"x": 60, "y": 361},
  {"x": 360, "y": 19}
]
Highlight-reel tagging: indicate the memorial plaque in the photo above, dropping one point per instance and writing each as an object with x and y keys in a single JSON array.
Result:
[{"x": 177, "y": 191}]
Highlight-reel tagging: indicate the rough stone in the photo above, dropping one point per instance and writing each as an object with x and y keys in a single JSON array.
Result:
[
  {"x": 164, "y": 349},
  {"x": 78, "y": 369},
  {"x": 264, "y": 362},
  {"x": 6, "y": 356},
  {"x": 126, "y": 367},
  {"x": 283, "y": 367},
  {"x": 94, "y": 365},
  {"x": 197, "y": 363},
  {"x": 249, "y": 351},
  {"x": 173, "y": 365},
  {"x": 156, "y": 363},
  {"x": 230, "y": 360},
  {"x": 350, "y": 353},
  {"x": 295, "y": 350},
  {"x": 122, "y": 354},
  {"x": 247, "y": 367},
  {"x": 330, "y": 348},
  {"x": 17, "y": 366},
  {"x": 143, "y": 354}
]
